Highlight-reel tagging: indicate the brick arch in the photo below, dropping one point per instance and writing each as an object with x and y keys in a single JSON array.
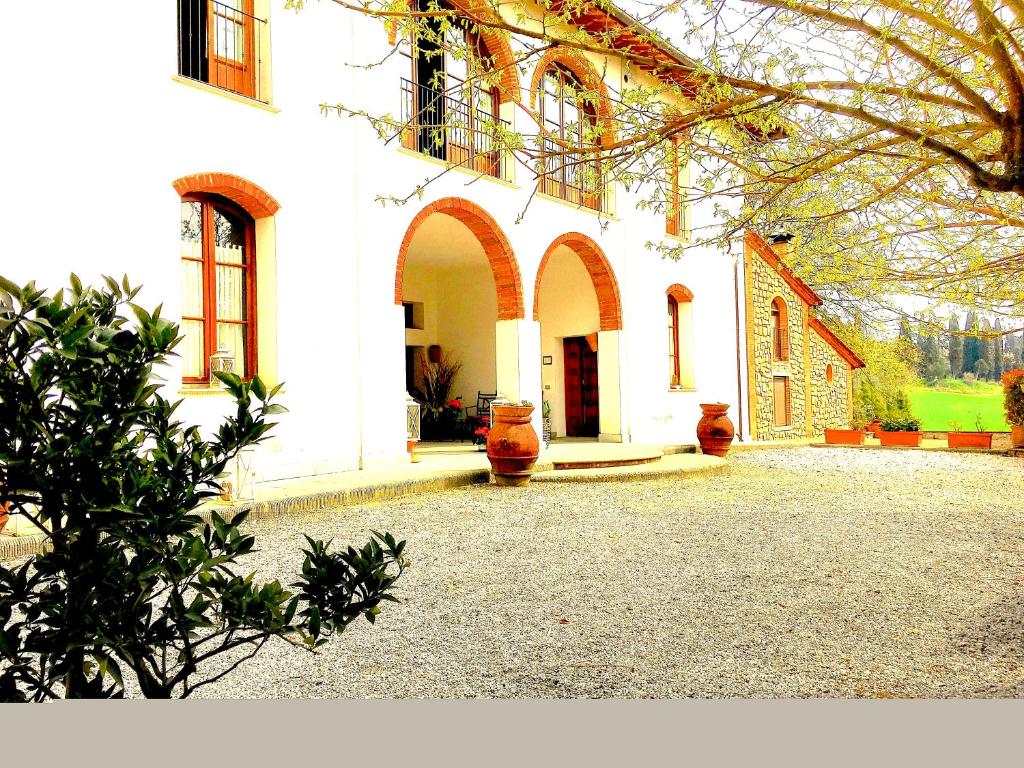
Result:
[
  {"x": 495, "y": 40},
  {"x": 589, "y": 77},
  {"x": 605, "y": 285},
  {"x": 496, "y": 247},
  {"x": 254, "y": 200},
  {"x": 679, "y": 292}
]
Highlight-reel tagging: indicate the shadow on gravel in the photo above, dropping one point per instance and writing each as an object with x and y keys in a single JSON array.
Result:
[{"x": 997, "y": 635}]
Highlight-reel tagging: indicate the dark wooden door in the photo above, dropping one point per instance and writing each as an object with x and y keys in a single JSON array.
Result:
[{"x": 581, "y": 396}]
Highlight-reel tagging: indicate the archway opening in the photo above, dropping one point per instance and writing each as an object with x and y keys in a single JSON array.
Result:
[
  {"x": 456, "y": 280},
  {"x": 576, "y": 301}
]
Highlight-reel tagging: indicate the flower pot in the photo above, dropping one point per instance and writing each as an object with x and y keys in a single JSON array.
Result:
[
  {"x": 4, "y": 517},
  {"x": 410, "y": 445},
  {"x": 1017, "y": 435},
  {"x": 874, "y": 427},
  {"x": 714, "y": 430},
  {"x": 844, "y": 436},
  {"x": 969, "y": 439},
  {"x": 905, "y": 439},
  {"x": 512, "y": 445},
  {"x": 546, "y": 425}
]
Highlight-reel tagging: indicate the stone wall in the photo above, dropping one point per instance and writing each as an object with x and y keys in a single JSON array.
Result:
[
  {"x": 830, "y": 402},
  {"x": 764, "y": 285}
]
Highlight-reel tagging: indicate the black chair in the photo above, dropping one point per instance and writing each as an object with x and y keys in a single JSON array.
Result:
[{"x": 481, "y": 412}]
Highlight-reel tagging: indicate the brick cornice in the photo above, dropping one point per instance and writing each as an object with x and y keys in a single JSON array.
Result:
[
  {"x": 766, "y": 252},
  {"x": 836, "y": 343}
]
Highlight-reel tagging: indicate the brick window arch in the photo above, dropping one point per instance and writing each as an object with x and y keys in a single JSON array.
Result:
[{"x": 780, "y": 330}]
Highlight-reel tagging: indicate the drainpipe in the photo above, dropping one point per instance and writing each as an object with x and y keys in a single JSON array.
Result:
[{"x": 739, "y": 368}]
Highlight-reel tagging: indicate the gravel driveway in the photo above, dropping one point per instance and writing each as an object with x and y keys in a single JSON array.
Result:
[{"x": 802, "y": 572}]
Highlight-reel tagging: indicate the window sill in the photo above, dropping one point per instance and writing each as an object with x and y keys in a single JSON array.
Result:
[
  {"x": 576, "y": 206},
  {"x": 199, "y": 85},
  {"x": 459, "y": 168},
  {"x": 686, "y": 239},
  {"x": 682, "y": 389},
  {"x": 201, "y": 390}
]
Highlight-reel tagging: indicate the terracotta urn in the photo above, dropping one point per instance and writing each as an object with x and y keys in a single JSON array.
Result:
[
  {"x": 1017, "y": 435},
  {"x": 4, "y": 515},
  {"x": 512, "y": 445},
  {"x": 714, "y": 430}
]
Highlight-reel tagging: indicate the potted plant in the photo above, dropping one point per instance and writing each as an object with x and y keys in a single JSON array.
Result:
[
  {"x": 440, "y": 408},
  {"x": 715, "y": 431},
  {"x": 902, "y": 431},
  {"x": 512, "y": 443},
  {"x": 957, "y": 438},
  {"x": 852, "y": 436},
  {"x": 1013, "y": 400}
]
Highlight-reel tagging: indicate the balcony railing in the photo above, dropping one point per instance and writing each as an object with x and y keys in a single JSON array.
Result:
[
  {"x": 446, "y": 127},
  {"x": 577, "y": 179},
  {"x": 222, "y": 44}
]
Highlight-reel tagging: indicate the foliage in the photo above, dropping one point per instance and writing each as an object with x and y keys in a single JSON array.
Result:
[
  {"x": 438, "y": 383},
  {"x": 879, "y": 388},
  {"x": 884, "y": 135},
  {"x": 901, "y": 424},
  {"x": 134, "y": 587},
  {"x": 1013, "y": 396}
]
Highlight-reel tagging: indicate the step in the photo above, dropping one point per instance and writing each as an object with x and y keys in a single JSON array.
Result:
[{"x": 666, "y": 466}]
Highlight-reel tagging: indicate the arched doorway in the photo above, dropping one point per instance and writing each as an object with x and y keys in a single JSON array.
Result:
[
  {"x": 457, "y": 280},
  {"x": 577, "y": 303}
]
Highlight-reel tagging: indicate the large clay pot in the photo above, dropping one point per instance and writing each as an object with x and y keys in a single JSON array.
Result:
[
  {"x": 714, "y": 430},
  {"x": 1017, "y": 435},
  {"x": 4, "y": 516},
  {"x": 512, "y": 444}
]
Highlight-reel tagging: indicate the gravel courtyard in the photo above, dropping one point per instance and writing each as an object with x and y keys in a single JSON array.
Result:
[{"x": 802, "y": 572}]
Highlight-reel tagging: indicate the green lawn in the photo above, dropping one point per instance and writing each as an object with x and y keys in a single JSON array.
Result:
[{"x": 955, "y": 400}]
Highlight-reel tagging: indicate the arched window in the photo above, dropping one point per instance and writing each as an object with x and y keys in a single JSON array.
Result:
[
  {"x": 780, "y": 330},
  {"x": 218, "y": 285},
  {"x": 680, "y": 337},
  {"x": 568, "y": 119},
  {"x": 452, "y": 102}
]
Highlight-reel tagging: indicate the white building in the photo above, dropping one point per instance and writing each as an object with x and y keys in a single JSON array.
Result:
[{"x": 183, "y": 144}]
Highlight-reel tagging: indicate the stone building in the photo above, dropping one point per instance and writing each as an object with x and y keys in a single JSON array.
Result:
[{"x": 800, "y": 372}]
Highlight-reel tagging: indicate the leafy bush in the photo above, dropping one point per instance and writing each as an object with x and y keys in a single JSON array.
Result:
[
  {"x": 135, "y": 586},
  {"x": 1013, "y": 396},
  {"x": 901, "y": 424}
]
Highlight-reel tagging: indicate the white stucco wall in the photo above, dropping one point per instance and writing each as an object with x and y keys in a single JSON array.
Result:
[{"x": 100, "y": 132}]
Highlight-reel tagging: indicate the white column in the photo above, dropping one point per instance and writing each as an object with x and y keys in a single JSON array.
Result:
[
  {"x": 381, "y": 372},
  {"x": 609, "y": 386},
  {"x": 518, "y": 365}
]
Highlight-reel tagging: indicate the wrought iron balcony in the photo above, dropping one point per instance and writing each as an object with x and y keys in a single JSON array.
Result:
[
  {"x": 220, "y": 42},
  {"x": 443, "y": 125}
]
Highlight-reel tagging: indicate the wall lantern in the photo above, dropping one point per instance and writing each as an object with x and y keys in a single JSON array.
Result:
[
  {"x": 412, "y": 422},
  {"x": 222, "y": 360}
]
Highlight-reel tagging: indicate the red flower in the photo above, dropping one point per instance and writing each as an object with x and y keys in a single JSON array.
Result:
[
  {"x": 454, "y": 403},
  {"x": 482, "y": 432}
]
